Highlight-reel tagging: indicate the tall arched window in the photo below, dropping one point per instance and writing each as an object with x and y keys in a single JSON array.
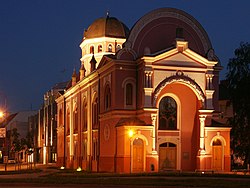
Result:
[
  {"x": 107, "y": 98},
  {"x": 75, "y": 125},
  {"x": 109, "y": 48},
  {"x": 68, "y": 122},
  {"x": 129, "y": 94},
  {"x": 94, "y": 149},
  {"x": 118, "y": 47},
  {"x": 91, "y": 49},
  {"x": 95, "y": 114},
  {"x": 84, "y": 115},
  {"x": 167, "y": 114},
  {"x": 84, "y": 149},
  {"x": 60, "y": 118},
  {"x": 99, "y": 48}
]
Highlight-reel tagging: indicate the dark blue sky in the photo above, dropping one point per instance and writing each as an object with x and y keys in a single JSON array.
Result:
[{"x": 39, "y": 39}]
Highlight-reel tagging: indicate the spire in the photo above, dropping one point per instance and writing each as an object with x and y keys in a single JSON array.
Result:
[
  {"x": 107, "y": 13},
  {"x": 92, "y": 63},
  {"x": 82, "y": 71},
  {"x": 73, "y": 79}
]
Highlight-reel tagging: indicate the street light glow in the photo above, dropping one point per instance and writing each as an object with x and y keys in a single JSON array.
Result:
[
  {"x": 1, "y": 114},
  {"x": 130, "y": 133}
]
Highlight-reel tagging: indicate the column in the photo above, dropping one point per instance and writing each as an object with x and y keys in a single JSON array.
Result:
[
  {"x": 202, "y": 134},
  {"x": 153, "y": 118}
]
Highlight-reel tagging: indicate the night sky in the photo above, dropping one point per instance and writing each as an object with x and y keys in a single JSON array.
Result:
[{"x": 39, "y": 39}]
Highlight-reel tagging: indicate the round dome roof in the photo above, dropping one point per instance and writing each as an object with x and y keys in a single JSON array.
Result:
[{"x": 106, "y": 27}]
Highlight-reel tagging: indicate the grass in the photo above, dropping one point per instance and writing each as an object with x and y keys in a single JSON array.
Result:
[{"x": 150, "y": 179}]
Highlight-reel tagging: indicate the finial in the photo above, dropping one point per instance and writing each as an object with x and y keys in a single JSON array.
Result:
[
  {"x": 107, "y": 13},
  {"x": 74, "y": 72}
]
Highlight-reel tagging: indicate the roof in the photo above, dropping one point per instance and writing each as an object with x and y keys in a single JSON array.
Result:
[
  {"x": 7, "y": 120},
  {"x": 130, "y": 122},
  {"x": 106, "y": 27}
]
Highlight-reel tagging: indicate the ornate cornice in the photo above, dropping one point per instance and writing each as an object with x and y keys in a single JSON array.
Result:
[{"x": 179, "y": 77}]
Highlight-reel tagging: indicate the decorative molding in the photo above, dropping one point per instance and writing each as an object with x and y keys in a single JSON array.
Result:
[{"x": 182, "y": 79}]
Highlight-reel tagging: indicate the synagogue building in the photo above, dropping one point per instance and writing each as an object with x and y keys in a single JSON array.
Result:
[{"x": 145, "y": 99}]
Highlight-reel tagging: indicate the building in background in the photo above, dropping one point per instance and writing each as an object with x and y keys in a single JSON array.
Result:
[
  {"x": 145, "y": 99},
  {"x": 45, "y": 137},
  {"x": 17, "y": 125}
]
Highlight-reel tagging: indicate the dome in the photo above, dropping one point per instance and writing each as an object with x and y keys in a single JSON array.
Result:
[{"x": 106, "y": 27}]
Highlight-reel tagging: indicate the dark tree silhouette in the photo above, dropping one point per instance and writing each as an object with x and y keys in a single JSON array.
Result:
[{"x": 238, "y": 77}]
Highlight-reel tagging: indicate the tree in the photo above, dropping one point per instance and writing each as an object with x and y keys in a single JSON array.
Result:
[
  {"x": 16, "y": 144},
  {"x": 238, "y": 77}
]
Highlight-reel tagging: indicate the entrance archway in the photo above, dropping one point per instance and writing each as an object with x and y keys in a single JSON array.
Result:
[
  {"x": 217, "y": 154},
  {"x": 167, "y": 156},
  {"x": 138, "y": 155}
]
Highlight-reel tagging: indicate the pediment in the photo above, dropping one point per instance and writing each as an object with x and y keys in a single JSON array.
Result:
[{"x": 180, "y": 60}]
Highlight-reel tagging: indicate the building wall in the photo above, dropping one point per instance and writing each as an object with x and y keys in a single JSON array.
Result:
[{"x": 124, "y": 136}]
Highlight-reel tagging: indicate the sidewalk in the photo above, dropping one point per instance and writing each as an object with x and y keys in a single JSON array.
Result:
[{"x": 46, "y": 169}]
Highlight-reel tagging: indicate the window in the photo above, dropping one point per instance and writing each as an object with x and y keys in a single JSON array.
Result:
[
  {"x": 129, "y": 94},
  {"x": 167, "y": 114},
  {"x": 118, "y": 47},
  {"x": 68, "y": 122},
  {"x": 95, "y": 143},
  {"x": 84, "y": 115},
  {"x": 109, "y": 48},
  {"x": 75, "y": 149},
  {"x": 75, "y": 125},
  {"x": 60, "y": 117},
  {"x": 107, "y": 97},
  {"x": 95, "y": 114},
  {"x": 99, "y": 48},
  {"x": 92, "y": 50},
  {"x": 84, "y": 150}
]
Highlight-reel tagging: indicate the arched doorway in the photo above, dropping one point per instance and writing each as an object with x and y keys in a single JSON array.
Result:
[
  {"x": 217, "y": 154},
  {"x": 167, "y": 156},
  {"x": 138, "y": 155}
]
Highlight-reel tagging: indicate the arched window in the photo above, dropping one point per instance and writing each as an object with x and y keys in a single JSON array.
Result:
[
  {"x": 84, "y": 149},
  {"x": 60, "y": 119},
  {"x": 68, "y": 122},
  {"x": 75, "y": 121},
  {"x": 129, "y": 94},
  {"x": 94, "y": 149},
  {"x": 91, "y": 49},
  {"x": 167, "y": 114},
  {"x": 107, "y": 98},
  {"x": 84, "y": 115},
  {"x": 95, "y": 114},
  {"x": 99, "y": 48},
  {"x": 118, "y": 47},
  {"x": 109, "y": 48}
]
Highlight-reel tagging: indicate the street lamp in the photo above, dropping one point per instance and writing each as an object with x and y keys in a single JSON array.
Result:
[
  {"x": 1, "y": 114},
  {"x": 130, "y": 134}
]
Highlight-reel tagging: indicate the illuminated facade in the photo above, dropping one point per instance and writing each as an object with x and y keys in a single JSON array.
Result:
[
  {"x": 147, "y": 101},
  {"x": 45, "y": 137}
]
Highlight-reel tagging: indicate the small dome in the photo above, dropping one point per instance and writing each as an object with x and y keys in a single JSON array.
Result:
[{"x": 107, "y": 27}]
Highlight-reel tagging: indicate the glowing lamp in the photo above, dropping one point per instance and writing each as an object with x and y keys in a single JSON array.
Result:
[
  {"x": 1, "y": 114},
  {"x": 62, "y": 168},
  {"x": 130, "y": 133},
  {"x": 79, "y": 169}
]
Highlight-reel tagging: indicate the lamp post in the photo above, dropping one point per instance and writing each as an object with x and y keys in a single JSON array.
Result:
[
  {"x": 3, "y": 137},
  {"x": 130, "y": 134},
  {"x": 3, "y": 129}
]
